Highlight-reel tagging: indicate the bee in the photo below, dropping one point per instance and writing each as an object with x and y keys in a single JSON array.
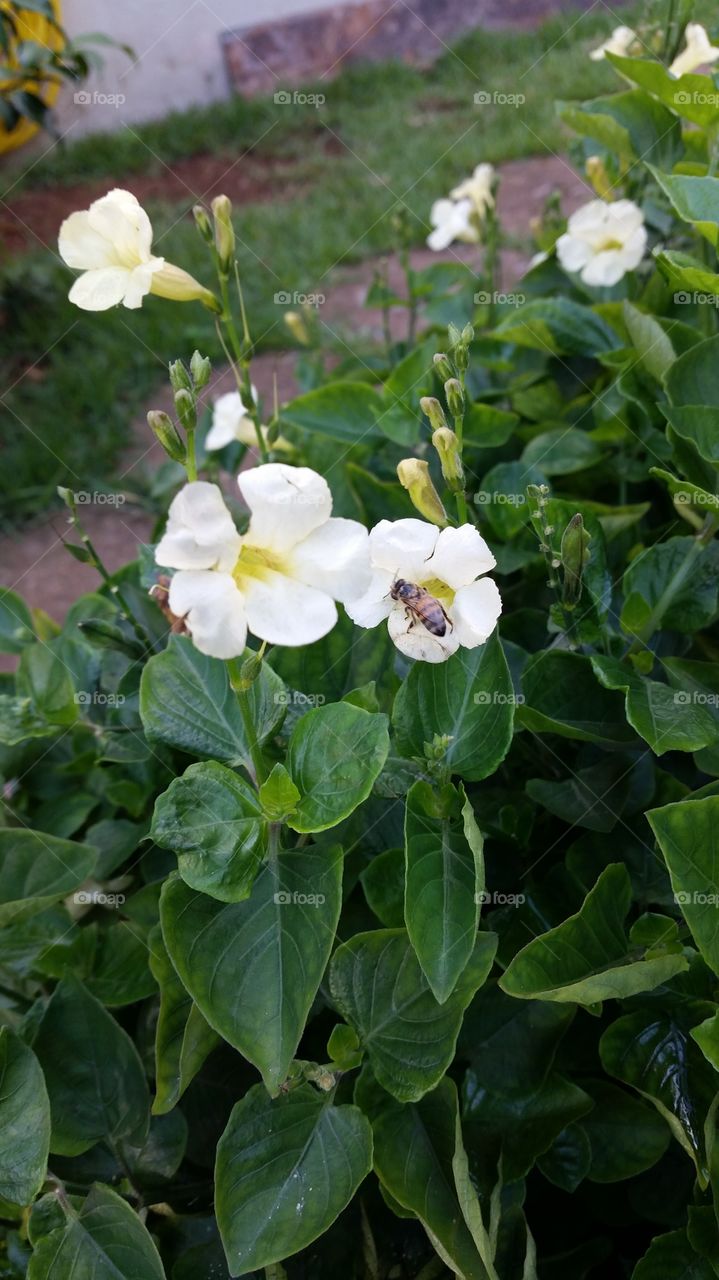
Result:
[{"x": 420, "y": 606}]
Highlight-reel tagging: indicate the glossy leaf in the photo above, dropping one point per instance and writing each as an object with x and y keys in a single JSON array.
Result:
[
  {"x": 106, "y": 1241},
  {"x": 334, "y": 755},
  {"x": 37, "y": 869},
  {"x": 688, "y": 836},
  {"x": 24, "y": 1121}
]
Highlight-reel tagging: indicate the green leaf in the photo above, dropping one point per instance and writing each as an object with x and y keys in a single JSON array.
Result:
[
  {"x": 286, "y": 1167},
  {"x": 486, "y": 426},
  {"x": 656, "y": 711},
  {"x": 94, "y": 1077},
  {"x": 19, "y": 720},
  {"x": 562, "y": 696},
  {"x": 685, "y": 492},
  {"x": 212, "y": 819},
  {"x": 587, "y": 958},
  {"x": 346, "y": 411},
  {"x": 383, "y": 884},
  {"x": 557, "y": 326},
  {"x": 253, "y": 967},
  {"x": 625, "y": 1135},
  {"x": 16, "y": 628},
  {"x": 120, "y": 972},
  {"x": 652, "y": 345},
  {"x": 470, "y": 699},
  {"x": 694, "y": 199},
  {"x": 652, "y": 1050},
  {"x": 37, "y": 870},
  {"x": 688, "y": 836},
  {"x": 414, "y": 1151},
  {"x": 186, "y": 701},
  {"x": 671, "y": 1257},
  {"x": 567, "y": 1161},
  {"x": 696, "y": 424},
  {"x": 629, "y": 123},
  {"x": 334, "y": 755},
  {"x": 24, "y": 1121},
  {"x": 707, "y": 1037},
  {"x": 378, "y": 986},
  {"x": 183, "y": 1038},
  {"x": 686, "y": 95},
  {"x": 562, "y": 451},
  {"x": 44, "y": 677},
  {"x": 520, "y": 1126},
  {"x": 106, "y": 1241},
  {"x": 693, "y": 379},
  {"x": 444, "y": 881},
  {"x": 278, "y": 795}
]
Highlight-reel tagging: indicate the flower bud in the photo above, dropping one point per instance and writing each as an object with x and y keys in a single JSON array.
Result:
[
  {"x": 461, "y": 357},
  {"x": 179, "y": 377},
  {"x": 434, "y": 411},
  {"x": 200, "y": 368},
  {"x": 244, "y": 678},
  {"x": 295, "y": 322},
  {"x": 455, "y": 397},
  {"x": 574, "y": 556},
  {"x": 443, "y": 366},
  {"x": 202, "y": 222},
  {"x": 596, "y": 171},
  {"x": 166, "y": 432},
  {"x": 224, "y": 232},
  {"x": 467, "y": 334},
  {"x": 413, "y": 475},
  {"x": 179, "y": 286},
  {"x": 186, "y": 409},
  {"x": 447, "y": 446}
]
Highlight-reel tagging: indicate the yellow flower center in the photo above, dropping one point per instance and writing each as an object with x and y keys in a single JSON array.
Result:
[
  {"x": 256, "y": 562},
  {"x": 610, "y": 243}
]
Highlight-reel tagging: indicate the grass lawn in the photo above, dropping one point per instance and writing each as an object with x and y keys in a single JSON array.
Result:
[{"x": 386, "y": 134}]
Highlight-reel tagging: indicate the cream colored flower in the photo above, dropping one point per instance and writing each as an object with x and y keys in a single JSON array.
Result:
[
  {"x": 479, "y": 188},
  {"x": 231, "y": 421},
  {"x": 603, "y": 241},
  {"x": 619, "y": 42},
  {"x": 111, "y": 243},
  {"x": 448, "y": 564},
  {"x": 699, "y": 51},
  {"x": 452, "y": 220},
  {"x": 279, "y": 580}
]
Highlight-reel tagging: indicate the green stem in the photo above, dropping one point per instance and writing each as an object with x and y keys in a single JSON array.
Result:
[
  {"x": 113, "y": 588},
  {"x": 238, "y": 683},
  {"x": 191, "y": 457},
  {"x": 239, "y": 362}
]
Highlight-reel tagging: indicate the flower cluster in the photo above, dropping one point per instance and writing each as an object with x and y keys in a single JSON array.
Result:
[{"x": 281, "y": 579}]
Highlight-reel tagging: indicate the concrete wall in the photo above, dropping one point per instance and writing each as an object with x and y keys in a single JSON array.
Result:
[{"x": 177, "y": 47}]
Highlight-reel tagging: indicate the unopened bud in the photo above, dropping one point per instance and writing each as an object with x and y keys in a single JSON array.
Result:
[
  {"x": 202, "y": 222},
  {"x": 186, "y": 409},
  {"x": 179, "y": 286},
  {"x": 596, "y": 171},
  {"x": 455, "y": 397},
  {"x": 164, "y": 428},
  {"x": 443, "y": 366},
  {"x": 574, "y": 553},
  {"x": 200, "y": 368},
  {"x": 224, "y": 232},
  {"x": 447, "y": 446},
  {"x": 413, "y": 475},
  {"x": 248, "y": 673},
  {"x": 295, "y": 322},
  {"x": 179, "y": 377},
  {"x": 467, "y": 334},
  {"x": 434, "y": 411}
]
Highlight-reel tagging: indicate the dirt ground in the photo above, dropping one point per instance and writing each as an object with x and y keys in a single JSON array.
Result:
[{"x": 33, "y": 561}]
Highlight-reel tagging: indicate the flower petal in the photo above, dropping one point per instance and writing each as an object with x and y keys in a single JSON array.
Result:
[
  {"x": 80, "y": 245},
  {"x": 573, "y": 254},
  {"x": 200, "y": 531},
  {"x": 230, "y": 422},
  {"x": 403, "y": 547},
  {"x": 413, "y": 639},
  {"x": 139, "y": 282},
  {"x": 121, "y": 219},
  {"x": 282, "y": 610},
  {"x": 101, "y": 288},
  {"x": 286, "y": 504},
  {"x": 376, "y": 604},
  {"x": 213, "y": 610},
  {"x": 460, "y": 556},
  {"x": 334, "y": 558},
  {"x": 475, "y": 611}
]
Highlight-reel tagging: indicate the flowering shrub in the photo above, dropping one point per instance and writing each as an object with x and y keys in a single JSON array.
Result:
[{"x": 359, "y": 874}]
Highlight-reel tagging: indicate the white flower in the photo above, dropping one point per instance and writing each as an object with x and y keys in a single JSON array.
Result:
[
  {"x": 231, "y": 421},
  {"x": 111, "y": 243},
  {"x": 699, "y": 51},
  {"x": 619, "y": 42},
  {"x": 447, "y": 563},
  {"x": 478, "y": 188},
  {"x": 603, "y": 241},
  {"x": 280, "y": 579},
  {"x": 452, "y": 220}
]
